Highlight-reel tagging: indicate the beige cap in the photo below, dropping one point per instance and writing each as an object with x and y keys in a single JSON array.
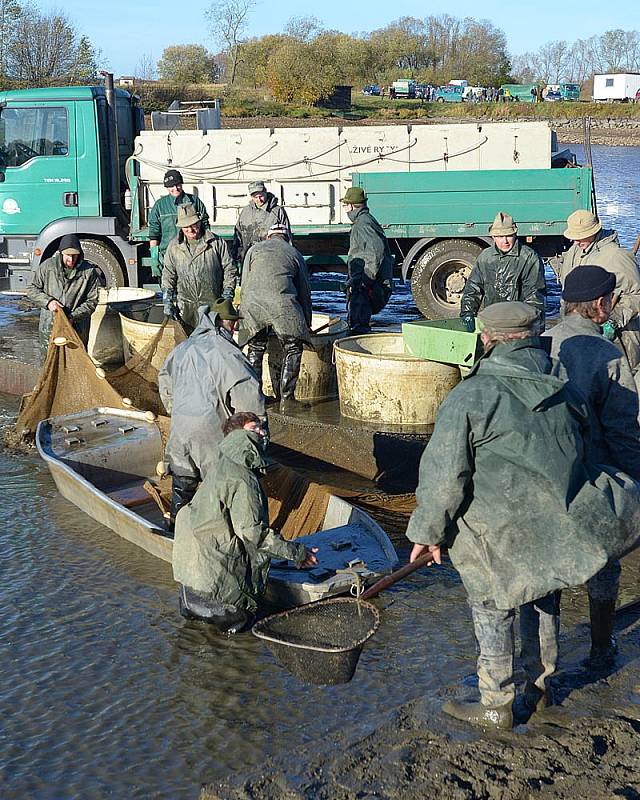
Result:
[
  {"x": 187, "y": 215},
  {"x": 582, "y": 224},
  {"x": 503, "y": 225},
  {"x": 511, "y": 317}
]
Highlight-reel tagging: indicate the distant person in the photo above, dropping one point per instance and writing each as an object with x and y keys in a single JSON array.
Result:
[
  {"x": 163, "y": 217},
  {"x": 255, "y": 220},
  {"x": 65, "y": 283},
  {"x": 597, "y": 247},
  {"x": 506, "y": 271},
  {"x": 369, "y": 263},
  {"x": 223, "y": 542}
]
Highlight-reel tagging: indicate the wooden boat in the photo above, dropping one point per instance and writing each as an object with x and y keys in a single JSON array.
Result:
[{"x": 101, "y": 459}]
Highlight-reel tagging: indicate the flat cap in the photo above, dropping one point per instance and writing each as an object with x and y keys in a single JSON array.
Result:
[
  {"x": 511, "y": 317},
  {"x": 257, "y": 186},
  {"x": 172, "y": 178},
  {"x": 278, "y": 230},
  {"x": 587, "y": 283}
]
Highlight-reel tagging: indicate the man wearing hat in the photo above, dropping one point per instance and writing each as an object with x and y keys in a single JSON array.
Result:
[
  {"x": 65, "y": 282},
  {"x": 197, "y": 269},
  {"x": 369, "y": 263},
  {"x": 600, "y": 373},
  {"x": 204, "y": 381},
  {"x": 276, "y": 296},
  {"x": 506, "y": 271},
  {"x": 505, "y": 456},
  {"x": 163, "y": 216},
  {"x": 597, "y": 247},
  {"x": 255, "y": 220}
]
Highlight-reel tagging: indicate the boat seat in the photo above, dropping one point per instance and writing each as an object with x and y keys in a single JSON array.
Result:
[{"x": 132, "y": 496}]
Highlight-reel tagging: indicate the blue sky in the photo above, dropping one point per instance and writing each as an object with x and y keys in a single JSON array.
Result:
[{"x": 123, "y": 29}]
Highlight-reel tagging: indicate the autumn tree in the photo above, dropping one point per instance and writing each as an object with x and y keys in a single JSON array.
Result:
[
  {"x": 186, "y": 63},
  {"x": 228, "y": 20}
]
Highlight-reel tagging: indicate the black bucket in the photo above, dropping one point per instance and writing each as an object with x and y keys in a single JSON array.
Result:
[{"x": 320, "y": 642}]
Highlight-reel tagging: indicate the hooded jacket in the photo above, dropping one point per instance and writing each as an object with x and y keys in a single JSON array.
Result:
[
  {"x": 499, "y": 277},
  {"x": 605, "y": 252},
  {"x": 197, "y": 273},
  {"x": 203, "y": 382},
  {"x": 75, "y": 289},
  {"x": 254, "y": 223},
  {"x": 504, "y": 485},
  {"x": 223, "y": 543},
  {"x": 276, "y": 291}
]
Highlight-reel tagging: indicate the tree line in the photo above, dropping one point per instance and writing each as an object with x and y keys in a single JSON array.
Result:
[{"x": 43, "y": 48}]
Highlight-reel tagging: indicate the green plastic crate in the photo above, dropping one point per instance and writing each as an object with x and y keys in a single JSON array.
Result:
[{"x": 444, "y": 340}]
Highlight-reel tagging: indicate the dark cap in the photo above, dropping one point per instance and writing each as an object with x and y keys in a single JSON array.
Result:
[
  {"x": 587, "y": 283},
  {"x": 173, "y": 178},
  {"x": 225, "y": 309},
  {"x": 70, "y": 245},
  {"x": 511, "y": 317}
]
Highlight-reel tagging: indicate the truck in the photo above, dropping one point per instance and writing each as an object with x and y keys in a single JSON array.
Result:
[
  {"x": 522, "y": 92},
  {"x": 451, "y": 93},
  {"x": 78, "y": 160},
  {"x": 621, "y": 86},
  {"x": 404, "y": 88}
]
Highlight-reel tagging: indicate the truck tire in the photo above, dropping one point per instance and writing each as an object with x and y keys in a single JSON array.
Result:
[
  {"x": 105, "y": 260},
  {"x": 440, "y": 274}
]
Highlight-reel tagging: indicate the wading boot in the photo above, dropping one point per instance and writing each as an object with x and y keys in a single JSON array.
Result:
[
  {"x": 255, "y": 354},
  {"x": 291, "y": 362},
  {"x": 490, "y": 717},
  {"x": 603, "y": 644},
  {"x": 535, "y": 699},
  {"x": 183, "y": 489}
]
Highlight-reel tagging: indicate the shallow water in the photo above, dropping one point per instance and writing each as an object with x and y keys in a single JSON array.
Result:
[{"x": 107, "y": 692}]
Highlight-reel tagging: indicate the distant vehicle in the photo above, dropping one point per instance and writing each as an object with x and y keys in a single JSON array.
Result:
[
  {"x": 553, "y": 95},
  {"x": 422, "y": 90},
  {"x": 404, "y": 88},
  {"x": 458, "y": 83},
  {"x": 570, "y": 91},
  {"x": 450, "y": 94},
  {"x": 622, "y": 86},
  {"x": 472, "y": 93},
  {"x": 372, "y": 89},
  {"x": 519, "y": 91}
]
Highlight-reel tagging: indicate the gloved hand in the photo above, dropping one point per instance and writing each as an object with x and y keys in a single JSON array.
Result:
[
  {"x": 228, "y": 294},
  {"x": 609, "y": 330},
  {"x": 168, "y": 305},
  {"x": 469, "y": 321},
  {"x": 156, "y": 266}
]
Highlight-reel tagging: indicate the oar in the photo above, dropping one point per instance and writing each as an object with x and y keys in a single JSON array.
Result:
[
  {"x": 396, "y": 576},
  {"x": 326, "y": 325}
]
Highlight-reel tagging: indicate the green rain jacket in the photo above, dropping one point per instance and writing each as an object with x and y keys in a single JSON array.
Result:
[
  {"x": 223, "y": 543},
  {"x": 253, "y": 225},
  {"x": 499, "y": 277},
  {"x": 605, "y": 252},
  {"x": 197, "y": 273},
  {"x": 75, "y": 289},
  {"x": 164, "y": 214},
  {"x": 276, "y": 291},
  {"x": 503, "y": 484},
  {"x": 369, "y": 260}
]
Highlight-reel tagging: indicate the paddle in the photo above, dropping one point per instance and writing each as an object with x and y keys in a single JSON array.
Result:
[{"x": 396, "y": 576}]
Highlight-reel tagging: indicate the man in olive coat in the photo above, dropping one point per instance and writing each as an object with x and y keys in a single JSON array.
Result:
[
  {"x": 503, "y": 272},
  {"x": 255, "y": 220},
  {"x": 197, "y": 270},
  {"x": 276, "y": 296},
  {"x": 163, "y": 217},
  {"x": 600, "y": 248},
  {"x": 202, "y": 383},
  {"x": 65, "y": 282},
  {"x": 369, "y": 263},
  {"x": 504, "y": 486},
  {"x": 223, "y": 544},
  {"x": 600, "y": 373}
]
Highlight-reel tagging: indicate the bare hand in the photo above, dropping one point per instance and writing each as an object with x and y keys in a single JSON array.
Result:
[
  {"x": 420, "y": 549},
  {"x": 310, "y": 559},
  {"x": 54, "y": 305}
]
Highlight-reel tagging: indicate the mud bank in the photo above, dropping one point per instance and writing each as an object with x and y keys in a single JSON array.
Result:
[{"x": 587, "y": 746}]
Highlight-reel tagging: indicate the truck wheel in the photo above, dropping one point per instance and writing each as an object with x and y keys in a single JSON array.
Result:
[
  {"x": 440, "y": 100},
  {"x": 105, "y": 260},
  {"x": 440, "y": 274}
]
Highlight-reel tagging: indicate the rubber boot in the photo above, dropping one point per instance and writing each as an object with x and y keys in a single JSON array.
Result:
[
  {"x": 291, "y": 362},
  {"x": 535, "y": 699},
  {"x": 183, "y": 489},
  {"x": 491, "y": 717},
  {"x": 255, "y": 354},
  {"x": 603, "y": 643}
]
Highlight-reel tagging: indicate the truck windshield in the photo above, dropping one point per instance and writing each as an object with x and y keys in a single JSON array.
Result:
[{"x": 27, "y": 133}]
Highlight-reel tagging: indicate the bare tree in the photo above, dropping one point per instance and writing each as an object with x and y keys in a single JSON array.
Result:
[
  {"x": 303, "y": 28},
  {"x": 228, "y": 21},
  {"x": 145, "y": 69}
]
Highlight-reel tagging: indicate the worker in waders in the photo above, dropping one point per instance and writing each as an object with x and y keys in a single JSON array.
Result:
[
  {"x": 276, "y": 296},
  {"x": 369, "y": 263},
  {"x": 601, "y": 374},
  {"x": 223, "y": 543},
  {"x": 261, "y": 213},
  {"x": 65, "y": 283},
  {"x": 163, "y": 217},
  {"x": 504, "y": 272},
  {"x": 504, "y": 486}
]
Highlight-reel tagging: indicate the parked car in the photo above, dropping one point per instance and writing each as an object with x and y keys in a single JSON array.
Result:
[
  {"x": 373, "y": 88},
  {"x": 449, "y": 94},
  {"x": 552, "y": 96}
]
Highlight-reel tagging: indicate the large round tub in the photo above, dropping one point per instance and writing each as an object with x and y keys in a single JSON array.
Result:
[{"x": 105, "y": 335}]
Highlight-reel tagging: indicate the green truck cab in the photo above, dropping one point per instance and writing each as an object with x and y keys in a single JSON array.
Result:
[{"x": 63, "y": 171}]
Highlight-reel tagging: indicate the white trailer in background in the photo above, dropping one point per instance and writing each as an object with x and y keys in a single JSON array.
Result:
[{"x": 616, "y": 86}]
